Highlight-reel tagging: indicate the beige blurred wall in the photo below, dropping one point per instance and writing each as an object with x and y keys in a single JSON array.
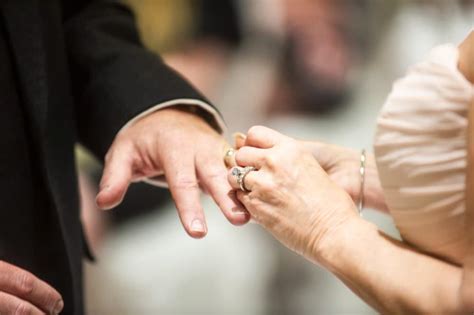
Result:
[{"x": 163, "y": 24}]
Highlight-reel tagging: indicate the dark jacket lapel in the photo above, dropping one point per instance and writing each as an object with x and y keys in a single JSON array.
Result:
[{"x": 23, "y": 23}]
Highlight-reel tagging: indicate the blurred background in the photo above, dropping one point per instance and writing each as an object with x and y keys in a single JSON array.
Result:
[{"x": 312, "y": 69}]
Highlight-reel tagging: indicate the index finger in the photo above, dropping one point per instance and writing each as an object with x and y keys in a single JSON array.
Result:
[
  {"x": 263, "y": 137},
  {"x": 180, "y": 173},
  {"x": 213, "y": 176},
  {"x": 26, "y": 286}
]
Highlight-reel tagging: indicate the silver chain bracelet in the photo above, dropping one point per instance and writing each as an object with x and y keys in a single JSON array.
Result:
[{"x": 360, "y": 206}]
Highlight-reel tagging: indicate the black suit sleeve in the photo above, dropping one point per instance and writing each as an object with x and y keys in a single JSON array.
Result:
[{"x": 114, "y": 77}]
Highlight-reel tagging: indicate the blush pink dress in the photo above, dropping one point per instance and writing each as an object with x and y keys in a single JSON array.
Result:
[{"x": 420, "y": 149}]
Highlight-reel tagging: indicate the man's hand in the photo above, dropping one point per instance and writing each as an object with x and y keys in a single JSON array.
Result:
[
  {"x": 23, "y": 293},
  {"x": 190, "y": 154}
]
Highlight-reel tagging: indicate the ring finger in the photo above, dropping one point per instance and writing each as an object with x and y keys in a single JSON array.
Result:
[{"x": 249, "y": 179}]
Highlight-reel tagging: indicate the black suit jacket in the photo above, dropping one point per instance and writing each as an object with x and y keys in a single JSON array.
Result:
[{"x": 82, "y": 74}]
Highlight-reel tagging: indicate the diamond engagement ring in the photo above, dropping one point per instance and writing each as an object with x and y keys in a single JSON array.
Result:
[{"x": 240, "y": 174}]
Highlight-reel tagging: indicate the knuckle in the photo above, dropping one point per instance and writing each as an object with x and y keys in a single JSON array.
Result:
[
  {"x": 216, "y": 173},
  {"x": 268, "y": 192},
  {"x": 146, "y": 142},
  {"x": 267, "y": 187},
  {"x": 23, "y": 308},
  {"x": 254, "y": 202},
  {"x": 185, "y": 182},
  {"x": 25, "y": 282},
  {"x": 271, "y": 160}
]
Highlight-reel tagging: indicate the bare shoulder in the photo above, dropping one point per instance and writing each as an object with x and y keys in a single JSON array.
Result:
[{"x": 466, "y": 57}]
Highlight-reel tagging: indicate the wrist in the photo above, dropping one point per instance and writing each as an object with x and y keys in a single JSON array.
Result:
[
  {"x": 335, "y": 253},
  {"x": 178, "y": 116},
  {"x": 200, "y": 114},
  {"x": 329, "y": 228}
]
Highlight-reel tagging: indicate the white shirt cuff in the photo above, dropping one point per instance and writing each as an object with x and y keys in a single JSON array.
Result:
[{"x": 159, "y": 180}]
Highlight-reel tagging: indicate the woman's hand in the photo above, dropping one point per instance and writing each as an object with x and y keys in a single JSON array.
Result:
[
  {"x": 292, "y": 197},
  {"x": 290, "y": 194},
  {"x": 343, "y": 165}
]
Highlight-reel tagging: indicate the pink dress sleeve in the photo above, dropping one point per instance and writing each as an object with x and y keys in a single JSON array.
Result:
[{"x": 420, "y": 149}]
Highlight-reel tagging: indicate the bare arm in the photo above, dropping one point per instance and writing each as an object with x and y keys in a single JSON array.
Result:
[
  {"x": 310, "y": 214},
  {"x": 466, "y": 57},
  {"x": 292, "y": 197},
  {"x": 466, "y": 66},
  {"x": 467, "y": 288},
  {"x": 395, "y": 278},
  {"x": 388, "y": 275}
]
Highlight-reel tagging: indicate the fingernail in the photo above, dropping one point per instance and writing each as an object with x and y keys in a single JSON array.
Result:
[
  {"x": 239, "y": 135},
  {"x": 58, "y": 307},
  {"x": 197, "y": 226}
]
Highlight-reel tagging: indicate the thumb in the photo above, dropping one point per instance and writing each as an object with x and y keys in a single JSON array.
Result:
[{"x": 115, "y": 180}]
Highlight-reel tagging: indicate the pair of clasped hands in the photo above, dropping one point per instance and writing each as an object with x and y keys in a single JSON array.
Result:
[{"x": 300, "y": 192}]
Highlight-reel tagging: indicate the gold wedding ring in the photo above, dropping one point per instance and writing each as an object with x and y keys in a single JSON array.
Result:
[
  {"x": 229, "y": 152},
  {"x": 229, "y": 158}
]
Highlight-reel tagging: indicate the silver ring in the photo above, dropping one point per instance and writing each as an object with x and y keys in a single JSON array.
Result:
[{"x": 241, "y": 178}]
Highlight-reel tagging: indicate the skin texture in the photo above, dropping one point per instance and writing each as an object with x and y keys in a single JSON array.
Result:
[
  {"x": 23, "y": 293},
  {"x": 293, "y": 198},
  {"x": 290, "y": 180},
  {"x": 189, "y": 152},
  {"x": 466, "y": 57},
  {"x": 173, "y": 141},
  {"x": 466, "y": 66},
  {"x": 467, "y": 287},
  {"x": 342, "y": 165}
]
